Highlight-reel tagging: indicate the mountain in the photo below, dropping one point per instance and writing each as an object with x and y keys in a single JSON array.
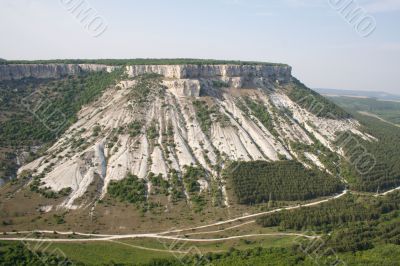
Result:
[
  {"x": 366, "y": 94},
  {"x": 124, "y": 161},
  {"x": 161, "y": 141}
]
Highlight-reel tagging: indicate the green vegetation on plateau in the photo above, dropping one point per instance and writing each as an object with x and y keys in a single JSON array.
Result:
[
  {"x": 142, "y": 61},
  {"x": 260, "y": 181}
]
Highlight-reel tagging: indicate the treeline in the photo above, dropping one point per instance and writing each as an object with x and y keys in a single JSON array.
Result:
[
  {"x": 334, "y": 213},
  {"x": 256, "y": 256},
  {"x": 314, "y": 102},
  {"x": 260, "y": 181},
  {"x": 140, "y": 61}
]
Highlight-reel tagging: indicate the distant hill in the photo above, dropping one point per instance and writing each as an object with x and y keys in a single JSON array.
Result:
[{"x": 363, "y": 94}]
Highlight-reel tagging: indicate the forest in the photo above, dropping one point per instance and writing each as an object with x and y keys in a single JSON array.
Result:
[
  {"x": 356, "y": 222},
  {"x": 382, "y": 171},
  {"x": 260, "y": 181},
  {"x": 327, "y": 216}
]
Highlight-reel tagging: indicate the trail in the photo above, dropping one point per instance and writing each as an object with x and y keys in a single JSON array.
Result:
[
  {"x": 163, "y": 235},
  {"x": 387, "y": 192},
  {"x": 378, "y": 117},
  {"x": 222, "y": 230},
  {"x": 156, "y": 236},
  {"x": 258, "y": 214}
]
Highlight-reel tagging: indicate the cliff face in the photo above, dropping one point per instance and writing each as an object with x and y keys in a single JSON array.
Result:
[
  {"x": 232, "y": 74},
  {"x": 188, "y": 80},
  {"x": 281, "y": 73},
  {"x": 19, "y": 71}
]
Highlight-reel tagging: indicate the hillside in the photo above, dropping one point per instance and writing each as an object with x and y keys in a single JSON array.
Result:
[
  {"x": 167, "y": 120},
  {"x": 144, "y": 149}
]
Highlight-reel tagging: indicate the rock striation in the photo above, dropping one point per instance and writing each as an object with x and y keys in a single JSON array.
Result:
[
  {"x": 41, "y": 71},
  {"x": 281, "y": 73}
]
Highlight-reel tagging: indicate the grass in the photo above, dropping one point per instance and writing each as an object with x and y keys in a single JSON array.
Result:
[
  {"x": 130, "y": 251},
  {"x": 134, "y": 251},
  {"x": 107, "y": 252}
]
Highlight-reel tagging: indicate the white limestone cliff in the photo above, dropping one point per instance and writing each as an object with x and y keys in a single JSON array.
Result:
[{"x": 42, "y": 71}]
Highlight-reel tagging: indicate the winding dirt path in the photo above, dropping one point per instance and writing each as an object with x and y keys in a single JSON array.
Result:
[{"x": 164, "y": 235}]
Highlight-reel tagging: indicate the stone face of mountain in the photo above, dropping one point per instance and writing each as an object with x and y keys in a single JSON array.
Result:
[
  {"x": 19, "y": 71},
  {"x": 282, "y": 73},
  {"x": 162, "y": 120}
]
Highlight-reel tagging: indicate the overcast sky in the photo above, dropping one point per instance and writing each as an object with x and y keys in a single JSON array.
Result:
[{"x": 324, "y": 48}]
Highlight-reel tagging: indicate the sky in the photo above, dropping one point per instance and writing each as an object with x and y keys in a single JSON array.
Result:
[{"x": 325, "y": 49}]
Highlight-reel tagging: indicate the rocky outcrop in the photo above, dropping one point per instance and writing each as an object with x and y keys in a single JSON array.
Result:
[
  {"x": 281, "y": 73},
  {"x": 183, "y": 87},
  {"x": 19, "y": 71}
]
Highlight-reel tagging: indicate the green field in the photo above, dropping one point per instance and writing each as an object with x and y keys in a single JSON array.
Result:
[
  {"x": 113, "y": 254},
  {"x": 386, "y": 110},
  {"x": 143, "y": 251}
]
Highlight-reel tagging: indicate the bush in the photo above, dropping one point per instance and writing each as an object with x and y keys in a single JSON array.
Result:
[{"x": 131, "y": 189}]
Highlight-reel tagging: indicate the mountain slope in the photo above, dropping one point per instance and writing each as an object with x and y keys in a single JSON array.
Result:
[
  {"x": 166, "y": 122},
  {"x": 165, "y": 138}
]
